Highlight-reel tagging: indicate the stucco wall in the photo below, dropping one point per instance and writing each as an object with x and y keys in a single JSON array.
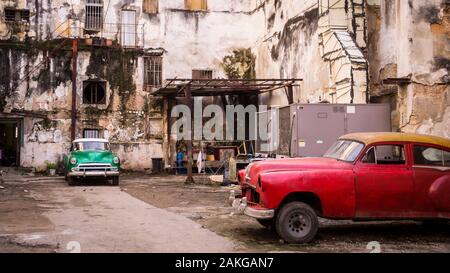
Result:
[
  {"x": 410, "y": 41},
  {"x": 406, "y": 40},
  {"x": 188, "y": 40},
  {"x": 288, "y": 47}
]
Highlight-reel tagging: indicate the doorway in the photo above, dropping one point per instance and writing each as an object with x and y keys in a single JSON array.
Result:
[{"x": 10, "y": 132}]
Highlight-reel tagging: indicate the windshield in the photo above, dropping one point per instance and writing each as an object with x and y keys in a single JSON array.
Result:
[
  {"x": 345, "y": 150},
  {"x": 91, "y": 146}
]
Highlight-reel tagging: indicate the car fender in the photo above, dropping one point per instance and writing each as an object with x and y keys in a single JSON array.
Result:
[
  {"x": 334, "y": 188},
  {"x": 439, "y": 193}
]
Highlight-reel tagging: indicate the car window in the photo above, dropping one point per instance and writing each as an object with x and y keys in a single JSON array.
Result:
[
  {"x": 429, "y": 156},
  {"x": 369, "y": 158},
  {"x": 91, "y": 146},
  {"x": 446, "y": 159},
  {"x": 345, "y": 150},
  {"x": 385, "y": 155}
]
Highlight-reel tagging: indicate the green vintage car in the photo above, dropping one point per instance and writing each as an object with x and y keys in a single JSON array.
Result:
[{"x": 91, "y": 158}]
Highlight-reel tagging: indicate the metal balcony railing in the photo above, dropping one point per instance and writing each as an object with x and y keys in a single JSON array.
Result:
[{"x": 127, "y": 35}]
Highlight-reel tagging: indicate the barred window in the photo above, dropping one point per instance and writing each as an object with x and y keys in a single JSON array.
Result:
[
  {"x": 202, "y": 74},
  {"x": 195, "y": 5},
  {"x": 153, "y": 71},
  {"x": 94, "y": 15},
  {"x": 150, "y": 6},
  {"x": 94, "y": 92},
  {"x": 91, "y": 133},
  {"x": 17, "y": 15}
]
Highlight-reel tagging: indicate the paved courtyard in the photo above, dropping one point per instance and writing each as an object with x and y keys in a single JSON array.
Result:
[{"x": 161, "y": 214}]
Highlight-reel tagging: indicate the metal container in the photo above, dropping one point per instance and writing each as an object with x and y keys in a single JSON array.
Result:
[{"x": 308, "y": 130}]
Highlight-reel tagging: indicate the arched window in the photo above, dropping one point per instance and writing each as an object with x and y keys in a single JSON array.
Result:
[{"x": 94, "y": 92}]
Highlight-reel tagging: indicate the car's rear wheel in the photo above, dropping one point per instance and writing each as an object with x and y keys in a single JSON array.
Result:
[
  {"x": 297, "y": 223},
  {"x": 115, "y": 181}
]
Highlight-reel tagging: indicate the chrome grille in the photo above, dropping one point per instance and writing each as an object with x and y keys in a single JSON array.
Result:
[{"x": 94, "y": 167}]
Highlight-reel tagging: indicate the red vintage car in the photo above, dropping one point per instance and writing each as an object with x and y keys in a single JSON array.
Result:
[{"x": 366, "y": 176}]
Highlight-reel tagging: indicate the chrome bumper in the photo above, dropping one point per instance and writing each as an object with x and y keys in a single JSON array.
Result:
[
  {"x": 93, "y": 173},
  {"x": 241, "y": 207}
]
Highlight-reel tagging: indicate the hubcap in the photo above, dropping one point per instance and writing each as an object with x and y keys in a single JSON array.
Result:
[{"x": 299, "y": 224}]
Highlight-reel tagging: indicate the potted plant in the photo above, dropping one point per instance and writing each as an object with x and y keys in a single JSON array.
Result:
[{"x": 51, "y": 167}]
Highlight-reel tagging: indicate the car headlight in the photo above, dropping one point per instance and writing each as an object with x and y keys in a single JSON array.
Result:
[
  {"x": 73, "y": 161},
  {"x": 247, "y": 171},
  {"x": 116, "y": 160}
]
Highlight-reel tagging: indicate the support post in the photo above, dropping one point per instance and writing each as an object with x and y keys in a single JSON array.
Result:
[
  {"x": 290, "y": 94},
  {"x": 166, "y": 132},
  {"x": 74, "y": 87},
  {"x": 189, "y": 143}
]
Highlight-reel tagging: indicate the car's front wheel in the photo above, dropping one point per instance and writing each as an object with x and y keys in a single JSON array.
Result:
[
  {"x": 297, "y": 223},
  {"x": 71, "y": 181},
  {"x": 115, "y": 181}
]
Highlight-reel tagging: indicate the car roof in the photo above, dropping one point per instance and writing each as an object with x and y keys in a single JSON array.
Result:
[
  {"x": 91, "y": 140},
  {"x": 370, "y": 138}
]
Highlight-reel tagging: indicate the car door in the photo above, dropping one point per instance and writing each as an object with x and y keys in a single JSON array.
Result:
[
  {"x": 383, "y": 182},
  {"x": 431, "y": 172}
]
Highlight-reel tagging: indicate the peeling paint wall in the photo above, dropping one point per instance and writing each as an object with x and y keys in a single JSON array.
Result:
[
  {"x": 322, "y": 42},
  {"x": 406, "y": 44},
  {"x": 409, "y": 43},
  {"x": 37, "y": 78},
  {"x": 287, "y": 47}
]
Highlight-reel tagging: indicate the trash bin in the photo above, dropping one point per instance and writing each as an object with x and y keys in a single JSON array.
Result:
[{"x": 157, "y": 165}]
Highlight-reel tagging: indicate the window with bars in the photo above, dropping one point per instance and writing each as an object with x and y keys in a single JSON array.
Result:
[
  {"x": 152, "y": 71},
  {"x": 150, "y": 6},
  {"x": 196, "y": 5},
  {"x": 17, "y": 15},
  {"x": 94, "y": 92},
  {"x": 91, "y": 133},
  {"x": 94, "y": 15},
  {"x": 202, "y": 74}
]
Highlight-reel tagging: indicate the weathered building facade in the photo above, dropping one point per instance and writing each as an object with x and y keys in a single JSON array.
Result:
[
  {"x": 346, "y": 51},
  {"x": 125, "y": 50}
]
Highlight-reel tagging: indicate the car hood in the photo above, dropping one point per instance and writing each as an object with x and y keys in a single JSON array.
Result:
[
  {"x": 93, "y": 156},
  {"x": 296, "y": 164}
]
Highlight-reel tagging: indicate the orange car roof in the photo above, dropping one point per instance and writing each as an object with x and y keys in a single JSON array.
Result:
[{"x": 370, "y": 138}]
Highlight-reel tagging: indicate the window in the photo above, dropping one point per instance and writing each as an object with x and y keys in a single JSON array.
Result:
[
  {"x": 90, "y": 133},
  {"x": 370, "y": 157},
  {"x": 17, "y": 15},
  {"x": 345, "y": 150},
  {"x": 150, "y": 6},
  {"x": 94, "y": 92},
  {"x": 202, "y": 74},
  {"x": 446, "y": 159},
  {"x": 428, "y": 156},
  {"x": 196, "y": 5},
  {"x": 94, "y": 15},
  {"x": 91, "y": 146},
  {"x": 385, "y": 155},
  {"x": 152, "y": 71},
  {"x": 128, "y": 28}
]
